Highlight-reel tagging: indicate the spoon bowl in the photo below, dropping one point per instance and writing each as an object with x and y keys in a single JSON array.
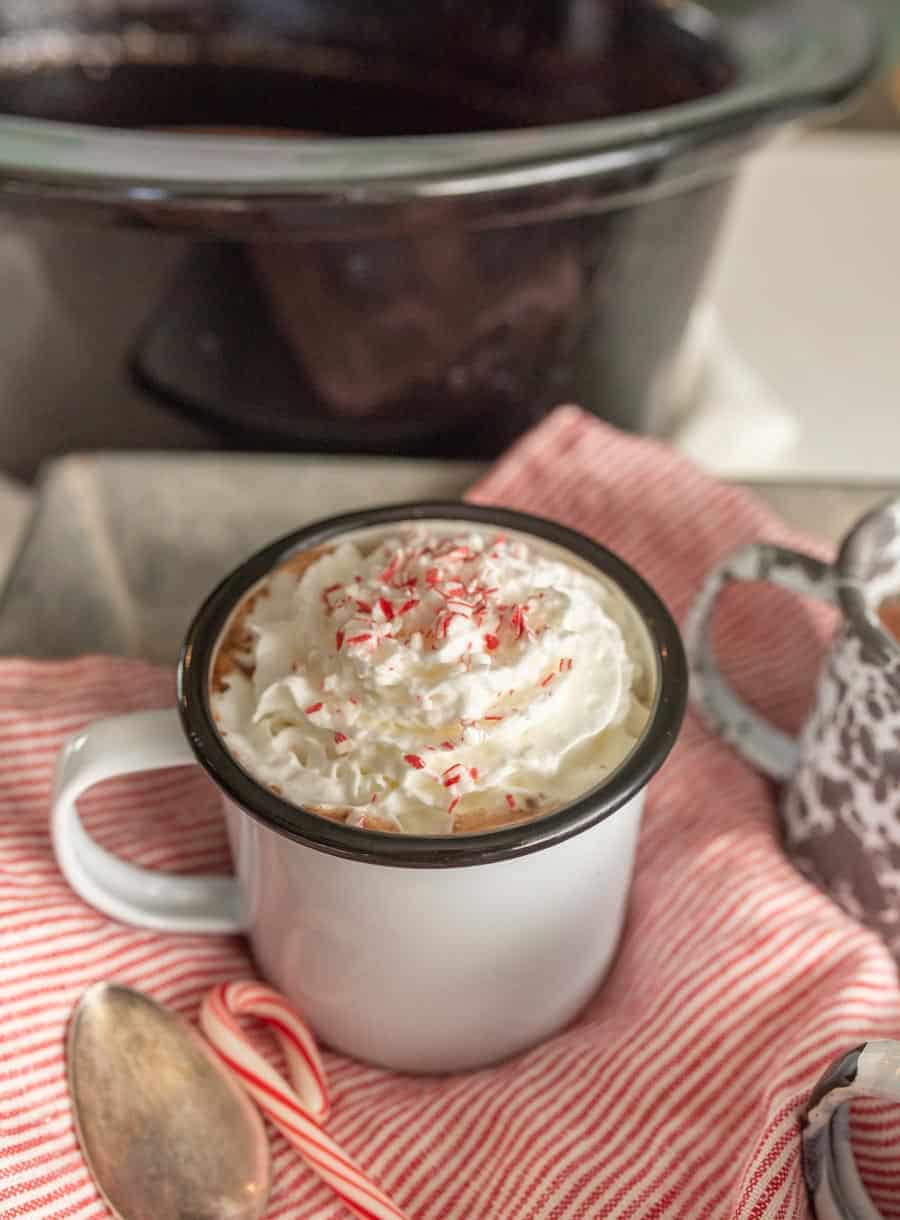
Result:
[{"x": 164, "y": 1129}]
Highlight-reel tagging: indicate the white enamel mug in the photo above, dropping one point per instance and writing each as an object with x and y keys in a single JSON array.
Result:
[{"x": 422, "y": 954}]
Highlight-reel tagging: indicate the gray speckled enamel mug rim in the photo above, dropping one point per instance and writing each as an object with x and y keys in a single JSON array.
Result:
[
  {"x": 851, "y": 587},
  {"x": 434, "y": 851}
]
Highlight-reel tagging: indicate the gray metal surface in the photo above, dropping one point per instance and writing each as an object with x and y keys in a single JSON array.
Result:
[{"x": 122, "y": 548}]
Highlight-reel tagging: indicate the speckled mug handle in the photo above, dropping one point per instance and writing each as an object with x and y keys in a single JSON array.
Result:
[
  {"x": 721, "y": 707},
  {"x": 835, "y": 1187}
]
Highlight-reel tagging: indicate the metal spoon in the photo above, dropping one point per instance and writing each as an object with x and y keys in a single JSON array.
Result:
[{"x": 165, "y": 1131}]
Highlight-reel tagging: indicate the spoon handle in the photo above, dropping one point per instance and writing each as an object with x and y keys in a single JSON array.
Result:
[{"x": 299, "y": 1112}]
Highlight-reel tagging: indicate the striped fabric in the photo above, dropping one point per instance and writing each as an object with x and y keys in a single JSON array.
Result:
[{"x": 676, "y": 1093}]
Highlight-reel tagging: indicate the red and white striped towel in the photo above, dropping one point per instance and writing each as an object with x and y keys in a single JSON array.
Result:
[{"x": 677, "y": 1091}]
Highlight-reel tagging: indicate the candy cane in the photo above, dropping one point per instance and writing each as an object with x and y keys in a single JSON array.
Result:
[{"x": 299, "y": 1114}]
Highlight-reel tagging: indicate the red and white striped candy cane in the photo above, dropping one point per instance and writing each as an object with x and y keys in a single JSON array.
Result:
[{"x": 299, "y": 1114}]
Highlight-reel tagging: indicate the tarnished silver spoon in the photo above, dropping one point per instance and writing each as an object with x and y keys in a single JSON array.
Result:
[{"x": 164, "y": 1129}]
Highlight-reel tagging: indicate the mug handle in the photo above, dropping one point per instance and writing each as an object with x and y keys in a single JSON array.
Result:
[
  {"x": 832, "y": 1178},
  {"x": 723, "y": 710},
  {"x": 123, "y": 745}
]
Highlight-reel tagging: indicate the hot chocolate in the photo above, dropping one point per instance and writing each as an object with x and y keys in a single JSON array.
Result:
[
  {"x": 889, "y": 615},
  {"x": 438, "y": 678}
]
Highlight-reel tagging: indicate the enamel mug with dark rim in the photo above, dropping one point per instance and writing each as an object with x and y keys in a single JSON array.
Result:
[{"x": 425, "y": 954}]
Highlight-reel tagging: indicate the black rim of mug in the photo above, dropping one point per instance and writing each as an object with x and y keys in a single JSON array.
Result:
[{"x": 436, "y": 851}]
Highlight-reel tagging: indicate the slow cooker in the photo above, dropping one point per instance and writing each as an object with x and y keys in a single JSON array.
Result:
[{"x": 383, "y": 227}]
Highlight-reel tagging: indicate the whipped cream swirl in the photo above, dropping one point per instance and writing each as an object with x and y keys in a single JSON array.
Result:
[{"x": 433, "y": 682}]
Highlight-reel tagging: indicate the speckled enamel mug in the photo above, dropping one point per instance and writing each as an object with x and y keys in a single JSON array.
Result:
[
  {"x": 841, "y": 801},
  {"x": 870, "y": 1071},
  {"x": 424, "y": 954}
]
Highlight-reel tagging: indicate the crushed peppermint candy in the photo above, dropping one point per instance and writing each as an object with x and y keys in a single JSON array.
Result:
[
  {"x": 427, "y": 643},
  {"x": 451, "y": 590}
]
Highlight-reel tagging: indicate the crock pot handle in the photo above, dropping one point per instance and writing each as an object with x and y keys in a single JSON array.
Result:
[
  {"x": 142, "y": 741},
  {"x": 720, "y": 706}
]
